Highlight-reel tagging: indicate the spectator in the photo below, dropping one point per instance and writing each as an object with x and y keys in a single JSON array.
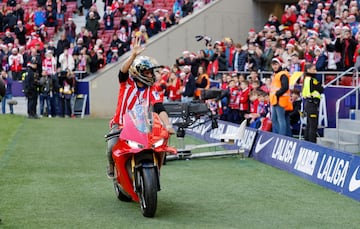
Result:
[
  {"x": 289, "y": 17},
  {"x": 160, "y": 86},
  {"x": 108, "y": 18},
  {"x": 70, "y": 30},
  {"x": 295, "y": 114},
  {"x": 16, "y": 61},
  {"x": 153, "y": 25},
  {"x": 140, "y": 10},
  {"x": 229, "y": 49},
  {"x": 86, "y": 4},
  {"x": 92, "y": 24},
  {"x": 66, "y": 61},
  {"x": 188, "y": 81},
  {"x": 167, "y": 20},
  {"x": 177, "y": 7},
  {"x": 19, "y": 12},
  {"x": 244, "y": 99},
  {"x": 174, "y": 88},
  {"x": 187, "y": 8},
  {"x": 262, "y": 109},
  {"x": 62, "y": 43},
  {"x": 117, "y": 6},
  {"x": 234, "y": 102},
  {"x": 8, "y": 93},
  {"x": 254, "y": 57},
  {"x": 82, "y": 63},
  {"x": 142, "y": 35},
  {"x": 239, "y": 60},
  {"x": 135, "y": 21},
  {"x": 60, "y": 8},
  {"x": 8, "y": 38},
  {"x": 346, "y": 45},
  {"x": 296, "y": 65},
  {"x": 39, "y": 16},
  {"x": 49, "y": 64},
  {"x": 10, "y": 20},
  {"x": 94, "y": 61},
  {"x": 268, "y": 54},
  {"x": 219, "y": 60},
  {"x": 50, "y": 14},
  {"x": 202, "y": 82},
  {"x": 20, "y": 32}
]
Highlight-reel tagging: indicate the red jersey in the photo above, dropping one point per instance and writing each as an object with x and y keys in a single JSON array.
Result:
[
  {"x": 234, "y": 101},
  {"x": 174, "y": 91},
  {"x": 244, "y": 99},
  {"x": 160, "y": 87},
  {"x": 254, "y": 106},
  {"x": 130, "y": 95}
]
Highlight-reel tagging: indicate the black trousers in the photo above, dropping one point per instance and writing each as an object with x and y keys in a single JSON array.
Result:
[
  {"x": 311, "y": 110},
  {"x": 32, "y": 103}
]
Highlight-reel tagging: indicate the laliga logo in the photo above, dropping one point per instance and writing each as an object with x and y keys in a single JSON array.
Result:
[{"x": 354, "y": 183}]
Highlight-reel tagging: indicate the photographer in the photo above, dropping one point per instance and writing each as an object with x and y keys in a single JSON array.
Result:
[
  {"x": 45, "y": 89},
  {"x": 219, "y": 59}
]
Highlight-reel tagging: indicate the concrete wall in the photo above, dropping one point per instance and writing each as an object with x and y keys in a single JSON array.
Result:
[{"x": 222, "y": 18}]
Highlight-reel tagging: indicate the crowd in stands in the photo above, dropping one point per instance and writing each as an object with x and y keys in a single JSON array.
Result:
[
  {"x": 322, "y": 32},
  {"x": 30, "y": 26}
]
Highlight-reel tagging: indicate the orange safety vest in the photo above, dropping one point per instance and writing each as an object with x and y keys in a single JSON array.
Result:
[
  {"x": 201, "y": 77},
  {"x": 284, "y": 99}
]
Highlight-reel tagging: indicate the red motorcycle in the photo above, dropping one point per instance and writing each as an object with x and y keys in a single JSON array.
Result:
[{"x": 138, "y": 156}]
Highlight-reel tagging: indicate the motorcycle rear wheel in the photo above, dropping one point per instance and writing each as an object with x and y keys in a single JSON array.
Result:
[{"x": 148, "y": 182}]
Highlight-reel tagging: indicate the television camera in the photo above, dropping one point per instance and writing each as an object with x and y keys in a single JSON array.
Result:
[{"x": 189, "y": 113}]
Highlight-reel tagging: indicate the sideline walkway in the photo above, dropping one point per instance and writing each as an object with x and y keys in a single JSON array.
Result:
[{"x": 20, "y": 108}]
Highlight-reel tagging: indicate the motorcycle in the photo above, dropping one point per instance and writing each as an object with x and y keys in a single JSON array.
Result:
[{"x": 138, "y": 156}]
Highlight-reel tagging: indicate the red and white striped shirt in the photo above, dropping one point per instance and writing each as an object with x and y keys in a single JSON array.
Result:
[
  {"x": 49, "y": 65},
  {"x": 130, "y": 95}
]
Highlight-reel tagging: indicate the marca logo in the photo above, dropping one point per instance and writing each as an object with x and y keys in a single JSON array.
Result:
[
  {"x": 260, "y": 145},
  {"x": 284, "y": 150},
  {"x": 354, "y": 183},
  {"x": 333, "y": 170},
  {"x": 306, "y": 161}
]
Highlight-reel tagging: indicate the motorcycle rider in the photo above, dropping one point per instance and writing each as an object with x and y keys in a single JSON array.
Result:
[{"x": 136, "y": 78}]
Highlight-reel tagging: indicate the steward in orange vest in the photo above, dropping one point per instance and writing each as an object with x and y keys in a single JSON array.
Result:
[
  {"x": 202, "y": 82},
  {"x": 280, "y": 99}
]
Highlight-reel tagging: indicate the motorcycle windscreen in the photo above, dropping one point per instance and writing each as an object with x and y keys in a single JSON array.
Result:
[{"x": 137, "y": 125}]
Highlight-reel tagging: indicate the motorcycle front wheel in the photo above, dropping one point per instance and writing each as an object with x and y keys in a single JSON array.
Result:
[
  {"x": 148, "y": 187},
  {"x": 119, "y": 194}
]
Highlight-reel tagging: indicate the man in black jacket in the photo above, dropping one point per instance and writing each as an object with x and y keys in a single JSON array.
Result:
[
  {"x": 189, "y": 85},
  {"x": 30, "y": 85}
]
